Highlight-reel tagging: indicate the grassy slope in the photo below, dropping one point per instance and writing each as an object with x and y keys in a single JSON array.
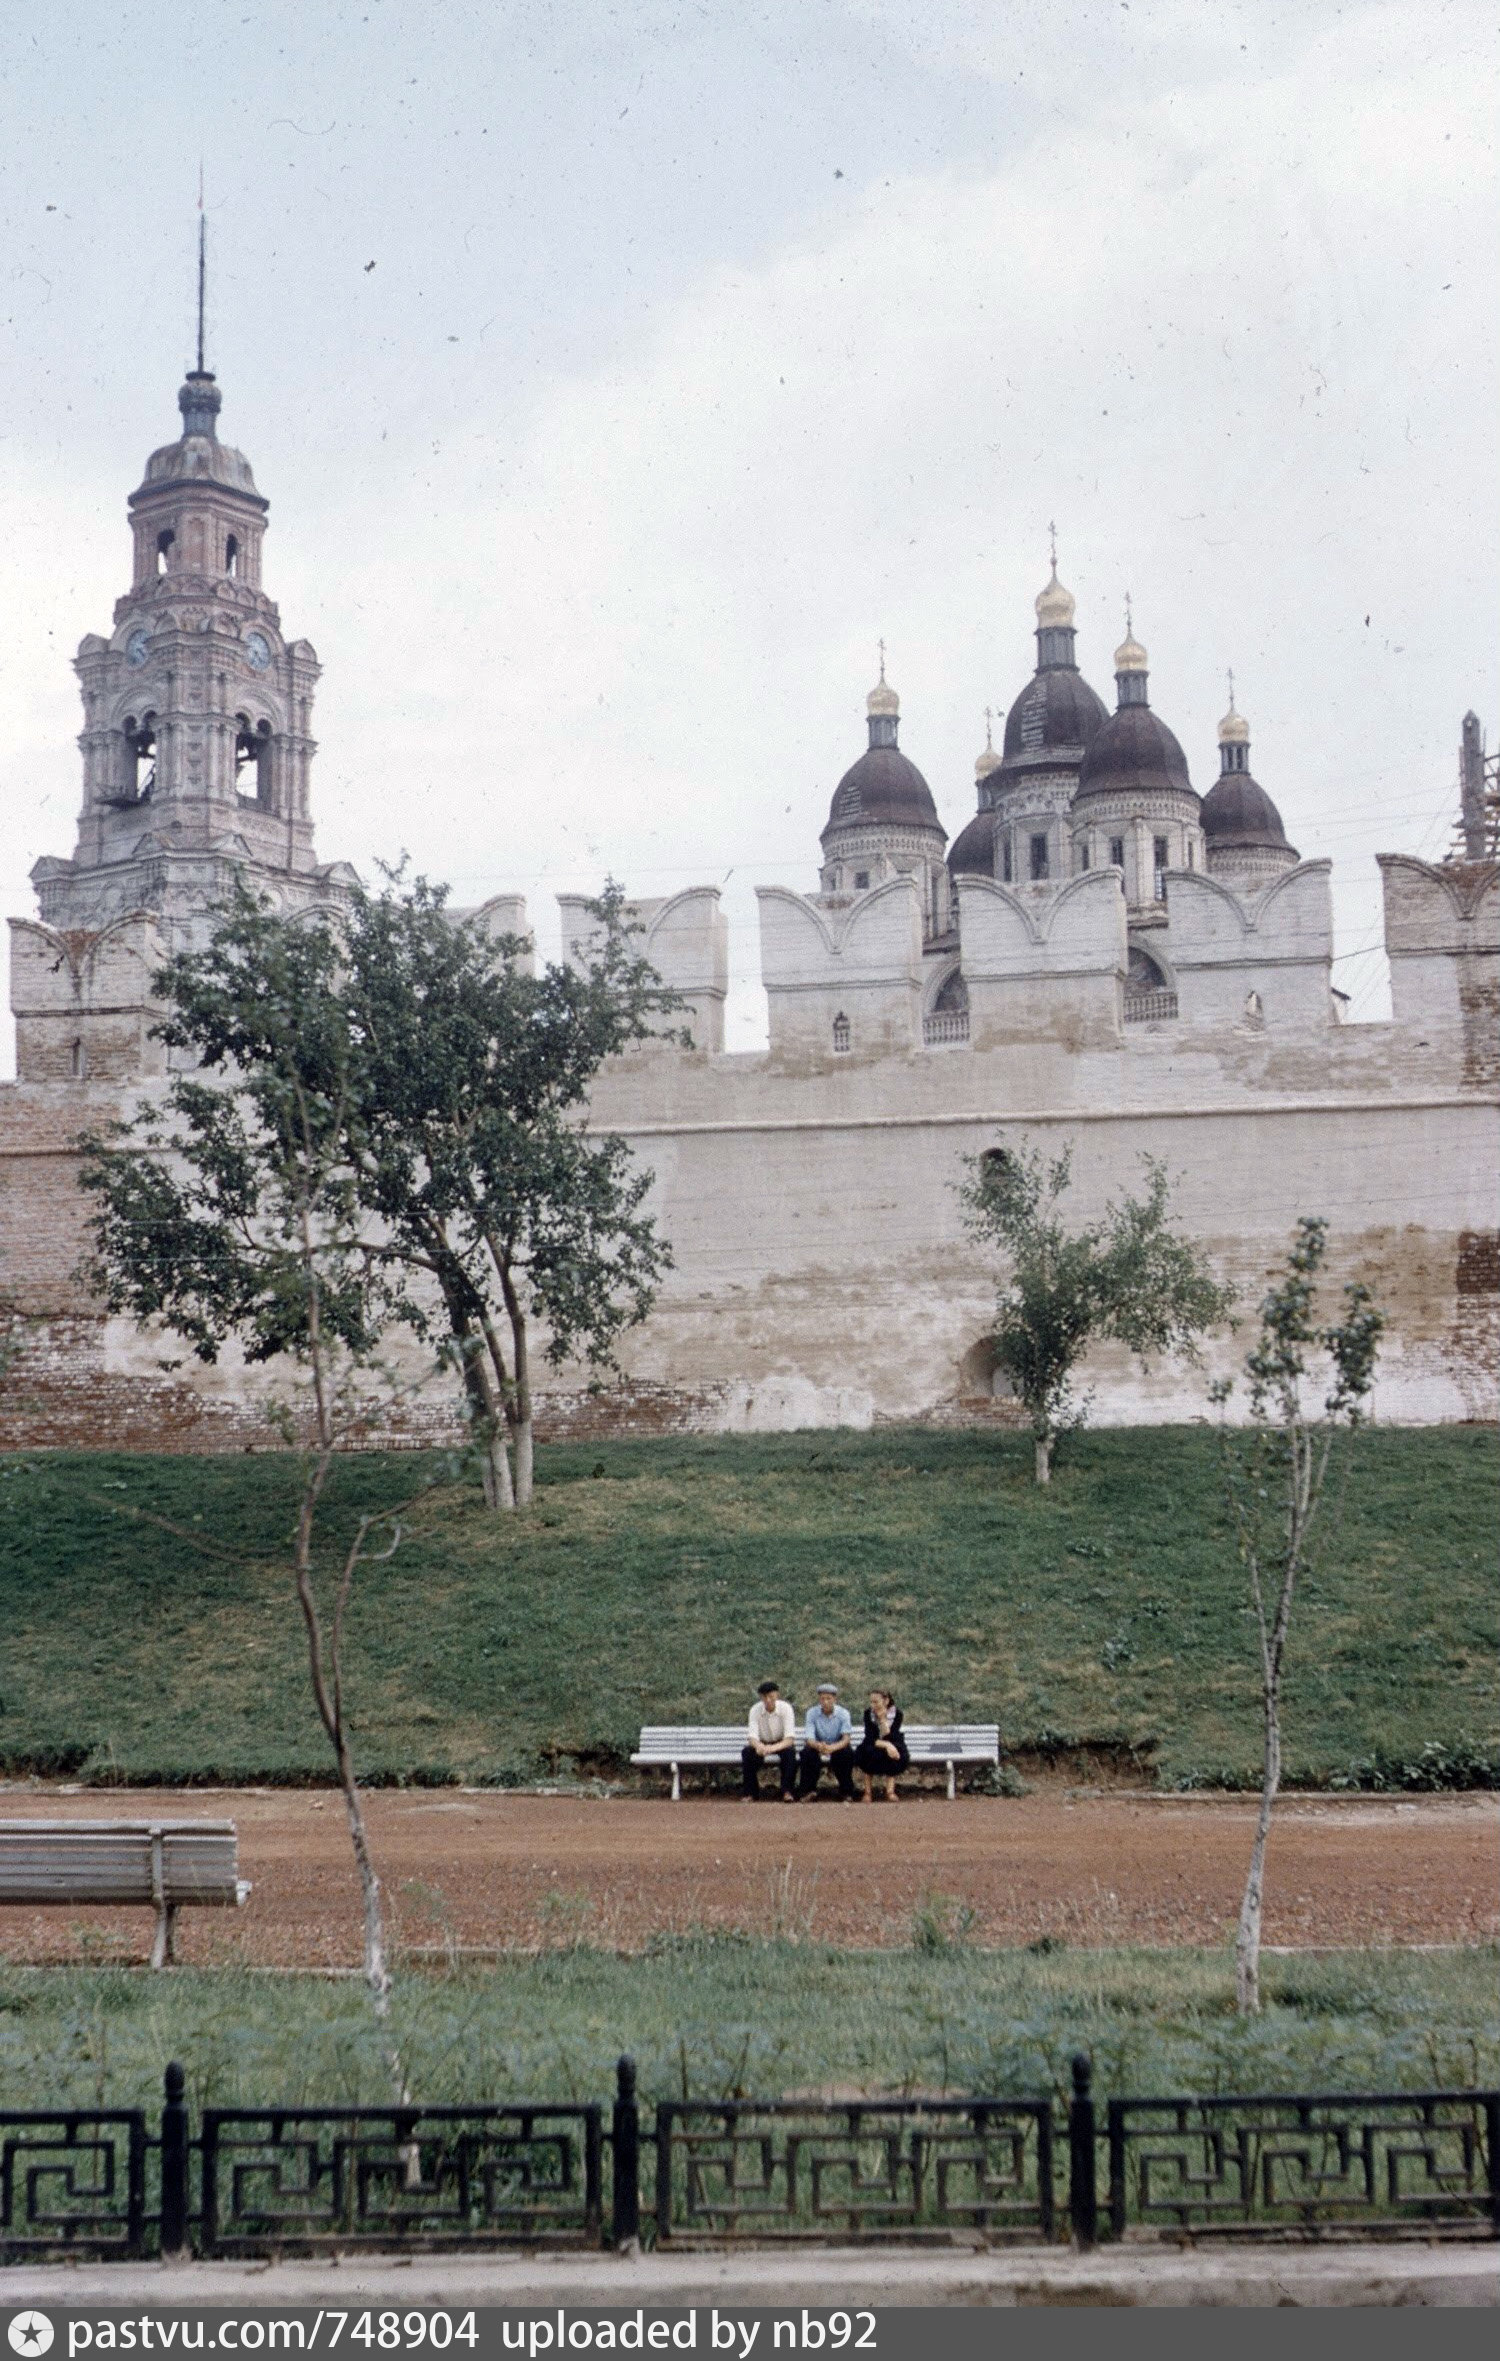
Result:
[
  {"x": 655, "y": 1581},
  {"x": 709, "y": 2019}
]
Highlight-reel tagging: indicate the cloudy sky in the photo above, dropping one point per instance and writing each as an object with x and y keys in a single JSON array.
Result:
[{"x": 620, "y": 374}]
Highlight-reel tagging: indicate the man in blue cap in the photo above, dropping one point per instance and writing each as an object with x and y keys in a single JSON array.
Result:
[{"x": 829, "y": 1746}]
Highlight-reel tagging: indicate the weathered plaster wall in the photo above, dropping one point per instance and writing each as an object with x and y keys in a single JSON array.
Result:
[{"x": 822, "y": 1274}]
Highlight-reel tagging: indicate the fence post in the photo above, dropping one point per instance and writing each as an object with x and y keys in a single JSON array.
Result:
[
  {"x": 626, "y": 2151},
  {"x": 1083, "y": 2185},
  {"x": 174, "y": 2168}
]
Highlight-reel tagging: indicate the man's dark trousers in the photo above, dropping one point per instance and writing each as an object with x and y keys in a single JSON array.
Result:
[
  {"x": 750, "y": 1762},
  {"x": 814, "y": 1765}
]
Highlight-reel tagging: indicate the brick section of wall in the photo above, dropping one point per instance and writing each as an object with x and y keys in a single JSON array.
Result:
[{"x": 1478, "y": 1270}]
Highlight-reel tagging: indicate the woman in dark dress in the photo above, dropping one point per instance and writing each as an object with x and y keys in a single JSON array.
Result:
[{"x": 882, "y": 1752}]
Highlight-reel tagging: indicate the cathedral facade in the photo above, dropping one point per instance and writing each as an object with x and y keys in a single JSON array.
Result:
[{"x": 1101, "y": 959}]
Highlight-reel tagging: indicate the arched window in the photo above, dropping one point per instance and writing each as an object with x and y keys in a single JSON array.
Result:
[
  {"x": 164, "y": 541},
  {"x": 1142, "y": 973},
  {"x": 840, "y": 1035},
  {"x": 953, "y": 994},
  {"x": 1148, "y": 994},
  {"x": 231, "y": 556}
]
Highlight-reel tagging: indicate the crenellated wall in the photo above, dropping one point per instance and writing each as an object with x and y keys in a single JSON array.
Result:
[
  {"x": 843, "y": 979},
  {"x": 1044, "y": 964},
  {"x": 822, "y": 1275},
  {"x": 1264, "y": 959}
]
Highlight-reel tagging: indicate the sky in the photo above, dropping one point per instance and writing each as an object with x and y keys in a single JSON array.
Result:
[{"x": 619, "y": 376}]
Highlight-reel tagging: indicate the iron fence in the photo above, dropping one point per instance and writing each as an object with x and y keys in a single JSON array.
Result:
[
  {"x": 297, "y": 2180},
  {"x": 383, "y": 2179},
  {"x": 868, "y": 2168},
  {"x": 1372, "y": 2165},
  {"x": 72, "y": 2184}
]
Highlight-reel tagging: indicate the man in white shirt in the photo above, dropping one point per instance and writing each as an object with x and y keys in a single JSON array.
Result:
[{"x": 773, "y": 1738}]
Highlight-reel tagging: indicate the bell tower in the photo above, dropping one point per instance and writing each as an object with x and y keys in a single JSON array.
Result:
[
  {"x": 197, "y": 739},
  {"x": 197, "y": 746}
]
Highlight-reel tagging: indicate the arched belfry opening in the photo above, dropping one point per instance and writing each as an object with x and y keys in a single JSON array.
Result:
[
  {"x": 135, "y": 775},
  {"x": 165, "y": 541},
  {"x": 252, "y": 758}
]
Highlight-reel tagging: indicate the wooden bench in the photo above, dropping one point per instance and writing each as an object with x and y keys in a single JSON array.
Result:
[
  {"x": 666, "y": 1747},
  {"x": 169, "y": 1865}
]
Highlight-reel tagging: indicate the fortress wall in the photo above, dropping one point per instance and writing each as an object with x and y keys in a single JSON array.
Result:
[{"x": 822, "y": 1274}]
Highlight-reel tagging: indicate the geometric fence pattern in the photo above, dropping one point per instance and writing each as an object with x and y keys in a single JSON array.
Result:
[
  {"x": 1379, "y": 2165},
  {"x": 865, "y": 2169},
  {"x": 273, "y": 2180},
  {"x": 72, "y": 2184},
  {"x": 428, "y": 2178}
]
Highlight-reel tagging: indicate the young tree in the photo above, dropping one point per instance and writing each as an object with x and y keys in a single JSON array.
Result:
[
  {"x": 1126, "y": 1278},
  {"x": 1275, "y": 1475},
  {"x": 232, "y": 1217},
  {"x": 450, "y": 1084}
]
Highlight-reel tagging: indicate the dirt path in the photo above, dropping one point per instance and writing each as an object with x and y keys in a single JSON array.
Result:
[{"x": 488, "y": 1870}]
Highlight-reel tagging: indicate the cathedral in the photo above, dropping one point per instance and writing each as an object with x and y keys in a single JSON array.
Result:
[
  {"x": 1076, "y": 789},
  {"x": 1102, "y": 960}
]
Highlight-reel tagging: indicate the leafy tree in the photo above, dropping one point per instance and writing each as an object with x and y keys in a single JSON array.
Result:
[
  {"x": 441, "y": 1086},
  {"x": 1126, "y": 1278},
  {"x": 1275, "y": 1476}
]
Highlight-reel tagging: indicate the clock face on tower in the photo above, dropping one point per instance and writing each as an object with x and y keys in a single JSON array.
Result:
[
  {"x": 258, "y": 651},
  {"x": 137, "y": 647}
]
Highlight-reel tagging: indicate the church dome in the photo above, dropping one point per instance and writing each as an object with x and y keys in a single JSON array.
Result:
[
  {"x": 1055, "y": 607},
  {"x": 882, "y": 789},
  {"x": 198, "y": 456},
  {"x": 1237, "y": 811},
  {"x": 972, "y": 853},
  {"x": 883, "y": 786},
  {"x": 1056, "y": 709},
  {"x": 1133, "y": 752}
]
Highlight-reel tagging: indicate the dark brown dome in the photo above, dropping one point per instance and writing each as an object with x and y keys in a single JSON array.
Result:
[
  {"x": 1133, "y": 751},
  {"x": 1238, "y": 811},
  {"x": 882, "y": 787},
  {"x": 1056, "y": 709},
  {"x": 972, "y": 852}
]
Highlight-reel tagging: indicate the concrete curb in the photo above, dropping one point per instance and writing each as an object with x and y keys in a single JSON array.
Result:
[{"x": 1320, "y": 2277}]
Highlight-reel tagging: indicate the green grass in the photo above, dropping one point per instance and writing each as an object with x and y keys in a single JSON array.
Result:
[
  {"x": 654, "y": 1581},
  {"x": 714, "y": 2018}
]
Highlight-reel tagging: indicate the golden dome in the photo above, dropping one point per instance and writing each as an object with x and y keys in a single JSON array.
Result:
[
  {"x": 1055, "y": 607},
  {"x": 1130, "y": 656},
  {"x": 1234, "y": 730},
  {"x": 882, "y": 698}
]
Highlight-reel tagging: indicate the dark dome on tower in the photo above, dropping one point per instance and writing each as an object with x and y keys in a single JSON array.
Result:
[
  {"x": 883, "y": 785},
  {"x": 1238, "y": 811},
  {"x": 1056, "y": 708},
  {"x": 1057, "y": 711},
  {"x": 1134, "y": 752},
  {"x": 1238, "y": 815},
  {"x": 882, "y": 788},
  {"x": 972, "y": 852}
]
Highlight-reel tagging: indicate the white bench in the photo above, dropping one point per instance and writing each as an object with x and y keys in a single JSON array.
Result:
[
  {"x": 166, "y": 1864},
  {"x": 666, "y": 1747}
]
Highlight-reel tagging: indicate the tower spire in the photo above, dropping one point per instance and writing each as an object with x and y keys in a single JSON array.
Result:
[
  {"x": 200, "y": 399},
  {"x": 202, "y": 266}
]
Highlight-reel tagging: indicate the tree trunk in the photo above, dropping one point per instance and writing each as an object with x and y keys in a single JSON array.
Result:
[
  {"x": 1044, "y": 1445},
  {"x": 1247, "y": 1941},
  {"x": 524, "y": 1458}
]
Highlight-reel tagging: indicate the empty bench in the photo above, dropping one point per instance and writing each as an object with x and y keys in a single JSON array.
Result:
[
  {"x": 664, "y": 1747},
  {"x": 169, "y": 1865}
]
